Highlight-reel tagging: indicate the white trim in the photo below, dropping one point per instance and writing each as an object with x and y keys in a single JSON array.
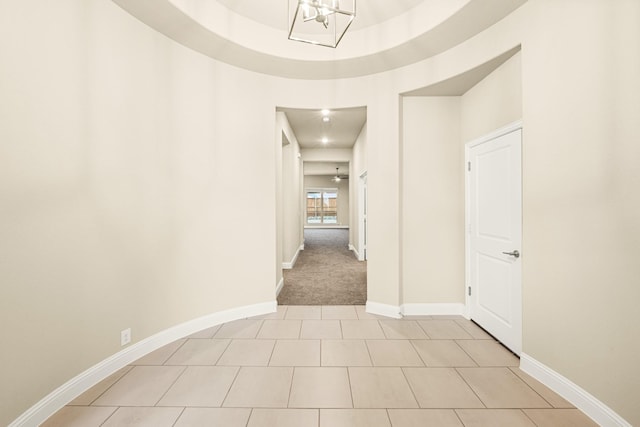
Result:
[
  {"x": 495, "y": 134},
  {"x": 327, "y": 226},
  {"x": 380, "y": 309},
  {"x": 279, "y": 286},
  {"x": 290, "y": 265},
  {"x": 467, "y": 235},
  {"x": 353, "y": 249},
  {"x": 64, "y": 394},
  {"x": 362, "y": 210},
  {"x": 435, "y": 309},
  {"x": 576, "y": 395}
]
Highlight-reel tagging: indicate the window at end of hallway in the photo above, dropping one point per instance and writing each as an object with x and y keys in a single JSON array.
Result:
[{"x": 322, "y": 206}]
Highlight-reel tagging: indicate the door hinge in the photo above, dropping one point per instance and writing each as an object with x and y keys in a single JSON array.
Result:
[
  {"x": 469, "y": 166},
  {"x": 469, "y": 290}
]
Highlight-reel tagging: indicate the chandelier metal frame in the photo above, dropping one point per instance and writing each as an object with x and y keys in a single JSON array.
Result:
[{"x": 333, "y": 21}]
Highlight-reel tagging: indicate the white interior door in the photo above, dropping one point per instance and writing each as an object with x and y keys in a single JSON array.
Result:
[{"x": 494, "y": 245}]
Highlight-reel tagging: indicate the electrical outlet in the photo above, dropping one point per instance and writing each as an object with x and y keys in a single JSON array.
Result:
[{"x": 125, "y": 337}]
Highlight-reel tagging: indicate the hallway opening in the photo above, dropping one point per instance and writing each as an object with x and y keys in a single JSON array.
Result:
[
  {"x": 321, "y": 157},
  {"x": 326, "y": 272}
]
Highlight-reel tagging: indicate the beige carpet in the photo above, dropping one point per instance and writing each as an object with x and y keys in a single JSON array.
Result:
[{"x": 326, "y": 272}]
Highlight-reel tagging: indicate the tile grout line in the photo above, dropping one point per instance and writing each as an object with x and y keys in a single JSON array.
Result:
[
  {"x": 249, "y": 417},
  {"x": 226, "y": 395},
  {"x": 108, "y": 388},
  {"x": 413, "y": 393},
  {"x": 368, "y": 352},
  {"x": 419, "y": 355},
  {"x": 532, "y": 389},
  {"x": 353, "y": 403},
  {"x": 273, "y": 350},
  {"x": 293, "y": 372},
  {"x": 469, "y": 385},
  {"x": 110, "y": 415},
  {"x": 455, "y": 411},
  {"x": 527, "y": 415},
  {"x": 223, "y": 352},
  {"x": 178, "y": 417},
  {"x": 259, "y": 330},
  {"x": 424, "y": 330},
  {"x": 467, "y": 353},
  {"x": 386, "y": 410},
  {"x": 184, "y": 369},
  {"x": 174, "y": 352}
]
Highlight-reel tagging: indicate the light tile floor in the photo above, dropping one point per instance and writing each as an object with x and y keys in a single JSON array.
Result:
[{"x": 325, "y": 366}]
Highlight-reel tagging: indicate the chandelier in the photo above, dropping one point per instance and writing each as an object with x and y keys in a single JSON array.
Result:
[{"x": 320, "y": 22}]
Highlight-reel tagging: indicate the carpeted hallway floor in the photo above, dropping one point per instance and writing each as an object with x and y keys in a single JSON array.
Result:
[{"x": 326, "y": 272}]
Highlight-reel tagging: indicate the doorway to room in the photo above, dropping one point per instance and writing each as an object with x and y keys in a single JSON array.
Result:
[
  {"x": 329, "y": 265},
  {"x": 328, "y": 271}
]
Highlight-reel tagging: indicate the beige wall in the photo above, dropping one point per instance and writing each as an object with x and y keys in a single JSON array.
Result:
[
  {"x": 581, "y": 243},
  {"x": 434, "y": 131},
  {"x": 117, "y": 208},
  {"x": 122, "y": 202},
  {"x": 314, "y": 182},
  {"x": 494, "y": 102},
  {"x": 432, "y": 201}
]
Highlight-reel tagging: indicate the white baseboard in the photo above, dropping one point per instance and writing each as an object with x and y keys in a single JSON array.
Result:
[
  {"x": 64, "y": 394},
  {"x": 436, "y": 309},
  {"x": 289, "y": 265},
  {"x": 355, "y": 252},
  {"x": 279, "y": 286},
  {"x": 380, "y": 309},
  {"x": 577, "y": 396}
]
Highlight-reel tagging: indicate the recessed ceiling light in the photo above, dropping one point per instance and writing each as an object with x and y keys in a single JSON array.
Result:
[
  {"x": 326, "y": 119},
  {"x": 325, "y": 140},
  {"x": 325, "y": 112}
]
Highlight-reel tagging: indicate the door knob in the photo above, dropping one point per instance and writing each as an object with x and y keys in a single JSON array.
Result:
[{"x": 514, "y": 254}]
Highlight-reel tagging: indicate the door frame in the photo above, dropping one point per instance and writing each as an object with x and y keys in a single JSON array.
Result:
[
  {"x": 362, "y": 217},
  {"x": 467, "y": 214}
]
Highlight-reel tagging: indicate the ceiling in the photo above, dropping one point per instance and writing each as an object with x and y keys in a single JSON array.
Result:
[
  {"x": 385, "y": 35},
  {"x": 460, "y": 84},
  {"x": 341, "y": 130},
  {"x": 326, "y": 169},
  {"x": 345, "y": 124},
  {"x": 274, "y": 13}
]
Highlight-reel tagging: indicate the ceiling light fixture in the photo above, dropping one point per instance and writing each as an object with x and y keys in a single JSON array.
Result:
[
  {"x": 337, "y": 177},
  {"x": 325, "y": 140},
  {"x": 326, "y": 119},
  {"x": 320, "y": 22}
]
